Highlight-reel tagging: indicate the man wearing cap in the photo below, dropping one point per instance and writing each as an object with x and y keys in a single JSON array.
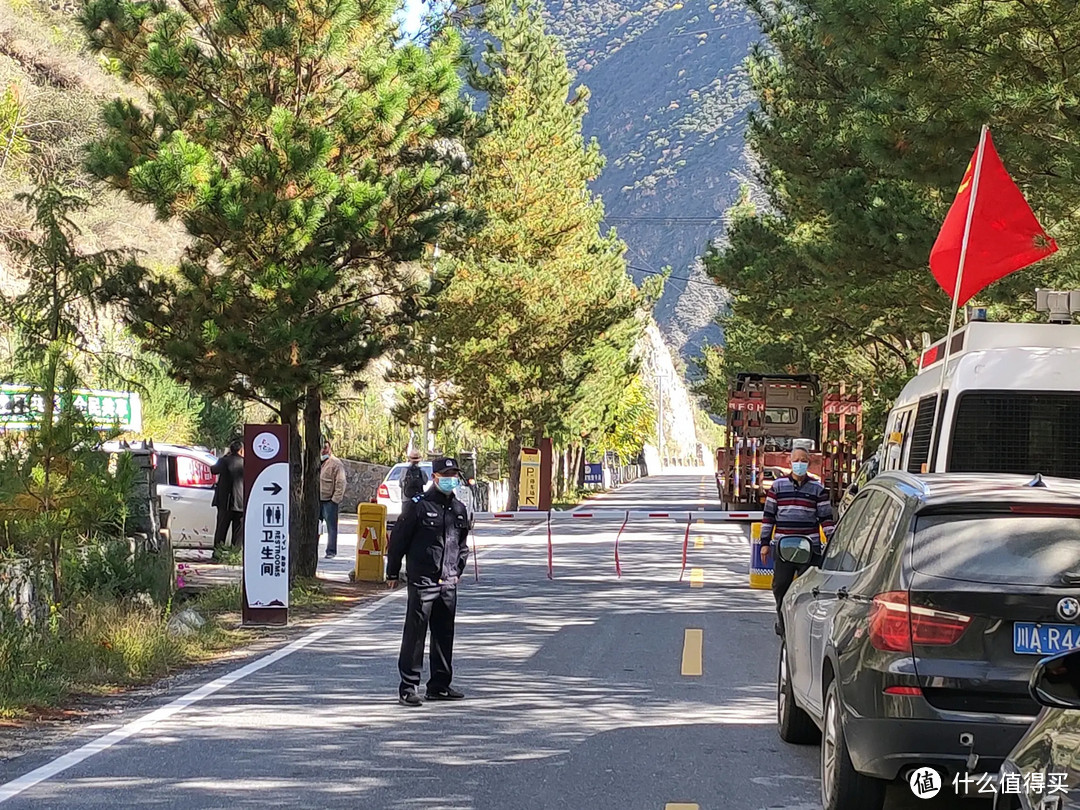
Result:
[
  {"x": 432, "y": 533},
  {"x": 414, "y": 480}
]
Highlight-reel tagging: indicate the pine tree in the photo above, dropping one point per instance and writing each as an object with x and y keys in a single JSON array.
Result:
[
  {"x": 868, "y": 114},
  {"x": 537, "y": 285},
  {"x": 56, "y": 488},
  {"x": 310, "y": 157}
]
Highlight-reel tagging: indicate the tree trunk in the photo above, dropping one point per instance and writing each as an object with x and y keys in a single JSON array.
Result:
[
  {"x": 564, "y": 472},
  {"x": 290, "y": 415},
  {"x": 556, "y": 474},
  {"x": 513, "y": 457},
  {"x": 579, "y": 466},
  {"x": 308, "y": 561}
]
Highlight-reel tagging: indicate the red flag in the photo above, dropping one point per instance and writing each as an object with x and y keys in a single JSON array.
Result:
[{"x": 1005, "y": 236}]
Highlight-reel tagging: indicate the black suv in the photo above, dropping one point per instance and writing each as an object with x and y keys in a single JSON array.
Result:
[{"x": 913, "y": 642}]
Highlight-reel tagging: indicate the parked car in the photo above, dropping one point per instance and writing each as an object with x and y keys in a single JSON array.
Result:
[
  {"x": 186, "y": 487},
  {"x": 867, "y": 471},
  {"x": 911, "y": 644},
  {"x": 1043, "y": 771},
  {"x": 389, "y": 492}
]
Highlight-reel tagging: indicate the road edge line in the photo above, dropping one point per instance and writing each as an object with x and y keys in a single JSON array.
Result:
[{"x": 43, "y": 773}]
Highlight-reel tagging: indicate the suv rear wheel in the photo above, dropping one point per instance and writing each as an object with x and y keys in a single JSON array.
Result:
[
  {"x": 792, "y": 723},
  {"x": 842, "y": 787}
]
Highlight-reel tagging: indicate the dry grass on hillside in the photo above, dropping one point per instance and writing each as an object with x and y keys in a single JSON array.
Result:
[{"x": 60, "y": 89}]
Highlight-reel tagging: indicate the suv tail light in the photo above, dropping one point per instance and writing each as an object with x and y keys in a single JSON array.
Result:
[
  {"x": 383, "y": 491},
  {"x": 895, "y": 625}
]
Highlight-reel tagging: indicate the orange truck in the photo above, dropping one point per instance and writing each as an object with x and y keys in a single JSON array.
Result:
[{"x": 768, "y": 416}]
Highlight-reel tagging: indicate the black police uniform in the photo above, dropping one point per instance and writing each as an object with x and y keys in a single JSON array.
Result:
[{"x": 431, "y": 533}]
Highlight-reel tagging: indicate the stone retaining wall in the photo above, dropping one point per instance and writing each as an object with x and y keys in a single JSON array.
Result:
[{"x": 361, "y": 483}]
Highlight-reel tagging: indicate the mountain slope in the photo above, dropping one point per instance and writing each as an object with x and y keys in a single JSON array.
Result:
[{"x": 668, "y": 106}]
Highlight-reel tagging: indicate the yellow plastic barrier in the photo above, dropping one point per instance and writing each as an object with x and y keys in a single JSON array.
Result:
[
  {"x": 760, "y": 575},
  {"x": 371, "y": 543}
]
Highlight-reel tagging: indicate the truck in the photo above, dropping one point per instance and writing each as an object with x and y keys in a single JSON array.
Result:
[{"x": 768, "y": 416}]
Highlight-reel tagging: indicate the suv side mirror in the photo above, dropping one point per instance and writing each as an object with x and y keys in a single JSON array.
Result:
[
  {"x": 795, "y": 549},
  {"x": 1056, "y": 681}
]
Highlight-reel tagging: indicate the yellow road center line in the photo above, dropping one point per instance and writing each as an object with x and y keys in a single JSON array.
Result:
[
  {"x": 670, "y": 806},
  {"x": 699, "y": 542},
  {"x": 697, "y": 577},
  {"x": 691, "y": 652}
]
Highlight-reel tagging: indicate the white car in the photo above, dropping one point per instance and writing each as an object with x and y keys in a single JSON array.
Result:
[
  {"x": 389, "y": 493},
  {"x": 186, "y": 487}
]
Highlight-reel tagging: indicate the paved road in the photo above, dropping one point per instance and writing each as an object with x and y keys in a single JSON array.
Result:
[{"x": 577, "y": 695}]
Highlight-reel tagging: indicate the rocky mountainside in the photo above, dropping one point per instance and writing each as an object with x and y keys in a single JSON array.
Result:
[{"x": 668, "y": 106}]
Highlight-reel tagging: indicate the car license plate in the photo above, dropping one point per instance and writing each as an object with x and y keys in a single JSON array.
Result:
[{"x": 1030, "y": 638}]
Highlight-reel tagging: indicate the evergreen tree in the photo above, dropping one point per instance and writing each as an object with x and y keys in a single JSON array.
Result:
[
  {"x": 309, "y": 156},
  {"x": 537, "y": 285},
  {"x": 869, "y": 112},
  {"x": 56, "y": 490}
]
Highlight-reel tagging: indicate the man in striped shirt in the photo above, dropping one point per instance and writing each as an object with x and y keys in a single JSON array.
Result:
[{"x": 798, "y": 505}]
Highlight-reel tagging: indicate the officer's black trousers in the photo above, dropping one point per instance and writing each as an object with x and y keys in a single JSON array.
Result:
[{"x": 435, "y": 607}]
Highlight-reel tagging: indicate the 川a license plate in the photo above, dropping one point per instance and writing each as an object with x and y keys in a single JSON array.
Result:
[{"x": 1030, "y": 638}]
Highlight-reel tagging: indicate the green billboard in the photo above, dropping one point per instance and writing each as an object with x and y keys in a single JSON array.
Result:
[{"x": 21, "y": 407}]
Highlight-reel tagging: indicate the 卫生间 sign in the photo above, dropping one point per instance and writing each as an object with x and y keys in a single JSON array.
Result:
[{"x": 266, "y": 524}]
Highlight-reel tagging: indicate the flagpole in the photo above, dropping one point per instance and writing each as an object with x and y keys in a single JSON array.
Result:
[{"x": 930, "y": 454}]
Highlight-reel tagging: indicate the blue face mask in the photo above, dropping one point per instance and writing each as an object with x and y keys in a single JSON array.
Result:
[
  {"x": 447, "y": 485},
  {"x": 800, "y": 468}
]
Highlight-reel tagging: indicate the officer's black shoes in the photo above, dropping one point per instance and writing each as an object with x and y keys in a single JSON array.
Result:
[
  {"x": 449, "y": 693},
  {"x": 410, "y": 698},
  {"x": 331, "y": 555}
]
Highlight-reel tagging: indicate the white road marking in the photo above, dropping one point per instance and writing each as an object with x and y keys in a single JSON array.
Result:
[{"x": 23, "y": 783}]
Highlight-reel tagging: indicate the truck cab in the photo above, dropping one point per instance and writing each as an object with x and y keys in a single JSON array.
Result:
[{"x": 775, "y": 408}]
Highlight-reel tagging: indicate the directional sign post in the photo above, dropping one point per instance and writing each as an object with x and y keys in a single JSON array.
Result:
[{"x": 266, "y": 525}]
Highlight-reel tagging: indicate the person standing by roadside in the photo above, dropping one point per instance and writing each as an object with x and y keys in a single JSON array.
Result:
[
  {"x": 229, "y": 495},
  {"x": 432, "y": 533},
  {"x": 413, "y": 480},
  {"x": 797, "y": 505},
  {"x": 331, "y": 493}
]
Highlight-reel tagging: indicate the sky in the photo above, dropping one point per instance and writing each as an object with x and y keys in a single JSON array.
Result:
[{"x": 414, "y": 10}]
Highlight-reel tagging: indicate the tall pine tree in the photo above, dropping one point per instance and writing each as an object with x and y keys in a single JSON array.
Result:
[
  {"x": 869, "y": 111},
  {"x": 308, "y": 154},
  {"x": 538, "y": 285}
]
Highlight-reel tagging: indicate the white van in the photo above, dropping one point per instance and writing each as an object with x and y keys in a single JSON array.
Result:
[{"x": 1011, "y": 404}]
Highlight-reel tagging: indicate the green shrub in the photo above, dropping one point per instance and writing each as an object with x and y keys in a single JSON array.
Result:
[{"x": 112, "y": 570}]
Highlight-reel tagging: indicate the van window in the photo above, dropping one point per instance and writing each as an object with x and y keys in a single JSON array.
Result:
[
  {"x": 1017, "y": 432},
  {"x": 999, "y": 549},
  {"x": 921, "y": 433},
  {"x": 190, "y": 472}
]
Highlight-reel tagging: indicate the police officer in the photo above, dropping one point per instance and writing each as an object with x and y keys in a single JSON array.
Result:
[{"x": 432, "y": 532}]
